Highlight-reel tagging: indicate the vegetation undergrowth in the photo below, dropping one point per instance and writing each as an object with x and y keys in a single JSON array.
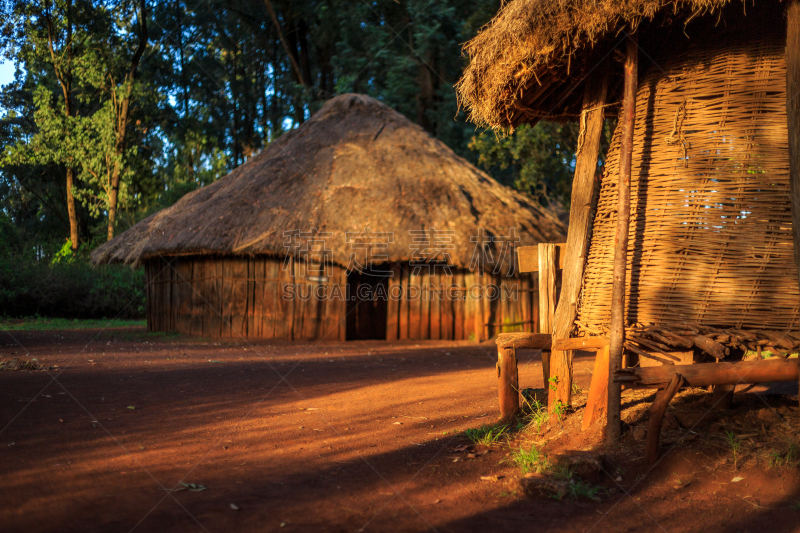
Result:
[
  {"x": 54, "y": 281},
  {"x": 578, "y": 489},
  {"x": 735, "y": 445},
  {"x": 487, "y": 434},
  {"x": 37, "y": 323},
  {"x": 531, "y": 460}
]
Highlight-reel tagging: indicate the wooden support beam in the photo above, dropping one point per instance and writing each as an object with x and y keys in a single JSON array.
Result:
[
  {"x": 582, "y": 204},
  {"x": 580, "y": 343},
  {"x": 534, "y": 341},
  {"x": 705, "y": 374},
  {"x": 657, "y": 410},
  {"x": 597, "y": 401},
  {"x": 547, "y": 298},
  {"x": 793, "y": 117},
  {"x": 617, "y": 325},
  {"x": 528, "y": 257},
  {"x": 507, "y": 382}
]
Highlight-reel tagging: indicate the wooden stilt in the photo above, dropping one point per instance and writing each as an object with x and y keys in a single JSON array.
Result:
[
  {"x": 598, "y": 391},
  {"x": 617, "y": 326},
  {"x": 583, "y": 202},
  {"x": 547, "y": 299},
  {"x": 657, "y": 410},
  {"x": 507, "y": 382},
  {"x": 793, "y": 117},
  {"x": 722, "y": 398}
]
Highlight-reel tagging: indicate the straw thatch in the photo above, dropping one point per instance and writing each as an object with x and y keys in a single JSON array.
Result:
[
  {"x": 710, "y": 237},
  {"x": 530, "y": 60},
  {"x": 356, "y": 164}
]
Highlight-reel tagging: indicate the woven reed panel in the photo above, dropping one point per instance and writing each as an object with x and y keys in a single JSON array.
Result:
[{"x": 711, "y": 231}]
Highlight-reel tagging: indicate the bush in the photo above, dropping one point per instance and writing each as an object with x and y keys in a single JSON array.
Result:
[{"x": 63, "y": 284}]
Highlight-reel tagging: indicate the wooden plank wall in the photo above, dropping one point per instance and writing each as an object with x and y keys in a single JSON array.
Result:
[
  {"x": 242, "y": 297},
  {"x": 251, "y": 297},
  {"x": 459, "y": 305}
]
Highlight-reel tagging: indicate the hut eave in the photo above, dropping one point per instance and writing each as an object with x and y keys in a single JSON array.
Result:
[{"x": 529, "y": 62}]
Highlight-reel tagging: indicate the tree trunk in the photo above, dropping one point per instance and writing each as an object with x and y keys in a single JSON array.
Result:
[
  {"x": 73, "y": 215},
  {"x": 617, "y": 326},
  {"x": 584, "y": 198},
  {"x": 122, "y": 120}
]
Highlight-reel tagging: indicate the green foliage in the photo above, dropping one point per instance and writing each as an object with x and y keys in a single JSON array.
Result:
[
  {"x": 580, "y": 489},
  {"x": 539, "y": 160},
  {"x": 42, "y": 280},
  {"x": 531, "y": 460},
  {"x": 487, "y": 434},
  {"x": 735, "y": 445},
  {"x": 48, "y": 324},
  {"x": 535, "y": 412}
]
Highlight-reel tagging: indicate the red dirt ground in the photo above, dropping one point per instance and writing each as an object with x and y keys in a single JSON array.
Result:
[{"x": 358, "y": 436}]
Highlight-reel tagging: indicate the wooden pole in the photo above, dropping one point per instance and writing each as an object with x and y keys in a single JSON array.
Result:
[
  {"x": 583, "y": 202},
  {"x": 617, "y": 326},
  {"x": 507, "y": 382},
  {"x": 657, "y": 410},
  {"x": 793, "y": 117},
  {"x": 547, "y": 299},
  {"x": 598, "y": 391},
  {"x": 793, "y": 120},
  {"x": 722, "y": 373}
]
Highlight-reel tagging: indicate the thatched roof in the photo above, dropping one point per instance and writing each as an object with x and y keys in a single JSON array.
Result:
[
  {"x": 530, "y": 61},
  {"x": 356, "y": 164}
]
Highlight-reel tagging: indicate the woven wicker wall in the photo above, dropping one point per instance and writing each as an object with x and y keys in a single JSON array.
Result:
[{"x": 711, "y": 231}]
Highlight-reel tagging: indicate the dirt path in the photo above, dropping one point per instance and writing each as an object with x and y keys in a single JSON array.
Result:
[{"x": 357, "y": 436}]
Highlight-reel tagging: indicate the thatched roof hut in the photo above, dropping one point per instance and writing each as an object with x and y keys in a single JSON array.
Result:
[
  {"x": 533, "y": 59},
  {"x": 356, "y": 166},
  {"x": 714, "y": 160}
]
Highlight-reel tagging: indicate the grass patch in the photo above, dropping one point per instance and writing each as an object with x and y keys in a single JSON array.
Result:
[
  {"x": 581, "y": 489},
  {"x": 487, "y": 434},
  {"x": 531, "y": 460},
  {"x": 789, "y": 457},
  {"x": 44, "y": 324}
]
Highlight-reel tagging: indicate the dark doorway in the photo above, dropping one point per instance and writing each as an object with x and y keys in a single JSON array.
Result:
[{"x": 366, "y": 305}]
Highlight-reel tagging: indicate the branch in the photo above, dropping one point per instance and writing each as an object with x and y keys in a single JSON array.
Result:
[{"x": 292, "y": 60}]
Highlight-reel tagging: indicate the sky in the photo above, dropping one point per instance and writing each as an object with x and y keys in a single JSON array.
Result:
[{"x": 6, "y": 72}]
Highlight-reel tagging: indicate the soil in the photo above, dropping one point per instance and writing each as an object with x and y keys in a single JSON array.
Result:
[{"x": 366, "y": 435}]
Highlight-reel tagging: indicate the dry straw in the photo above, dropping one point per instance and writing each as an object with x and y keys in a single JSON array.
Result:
[
  {"x": 526, "y": 63},
  {"x": 356, "y": 164}
]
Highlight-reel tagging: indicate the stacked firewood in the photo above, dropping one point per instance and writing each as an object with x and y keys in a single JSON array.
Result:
[{"x": 715, "y": 342}]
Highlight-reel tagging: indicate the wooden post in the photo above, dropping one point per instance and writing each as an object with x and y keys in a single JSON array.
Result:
[
  {"x": 722, "y": 398},
  {"x": 507, "y": 382},
  {"x": 547, "y": 299},
  {"x": 657, "y": 410},
  {"x": 793, "y": 117},
  {"x": 617, "y": 326},
  {"x": 583, "y": 202},
  {"x": 598, "y": 391}
]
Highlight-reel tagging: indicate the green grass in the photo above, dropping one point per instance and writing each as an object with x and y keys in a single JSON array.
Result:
[
  {"x": 487, "y": 434},
  {"x": 581, "y": 489},
  {"x": 41, "y": 324},
  {"x": 735, "y": 445},
  {"x": 531, "y": 460}
]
